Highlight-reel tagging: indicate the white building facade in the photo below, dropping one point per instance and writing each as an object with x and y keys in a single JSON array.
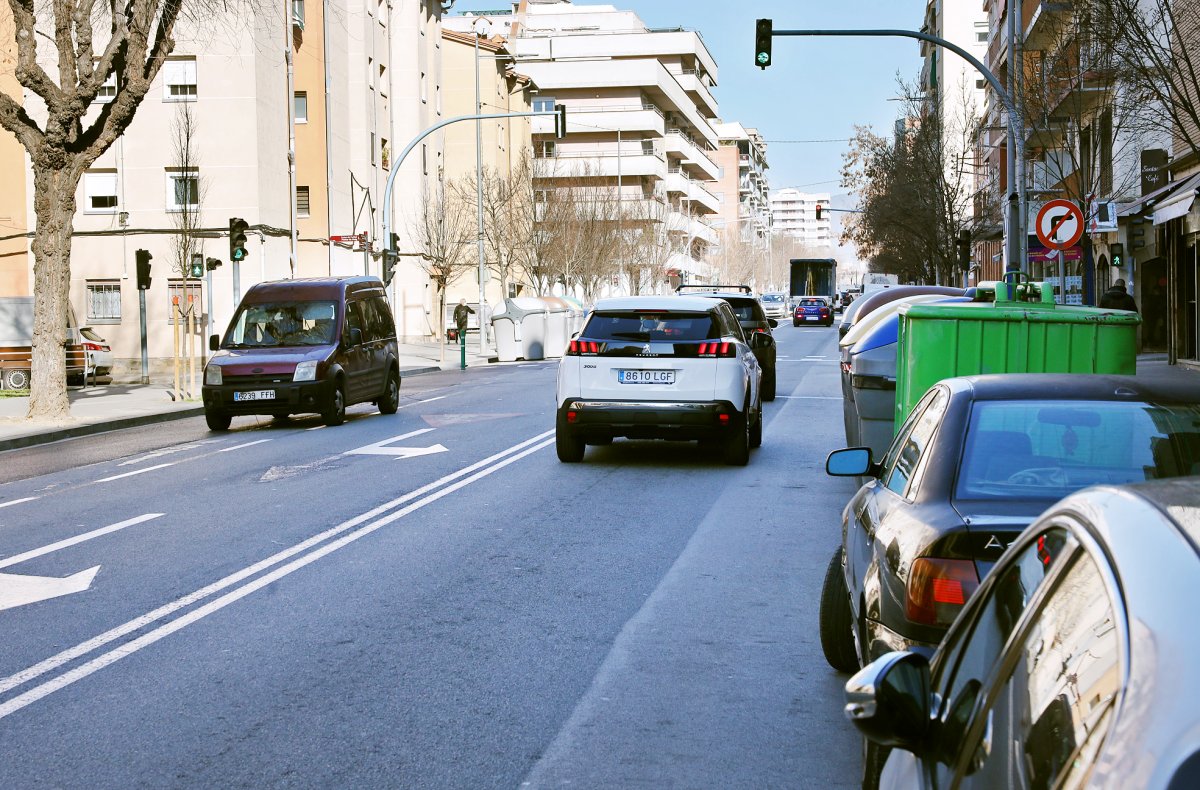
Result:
[{"x": 794, "y": 213}]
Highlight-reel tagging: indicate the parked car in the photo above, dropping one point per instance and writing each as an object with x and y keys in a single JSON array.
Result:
[
  {"x": 752, "y": 319},
  {"x": 1072, "y": 666},
  {"x": 977, "y": 460},
  {"x": 100, "y": 356},
  {"x": 309, "y": 345},
  {"x": 655, "y": 367},
  {"x": 775, "y": 305},
  {"x": 812, "y": 310}
]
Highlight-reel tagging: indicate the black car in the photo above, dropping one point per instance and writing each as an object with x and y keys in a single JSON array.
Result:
[
  {"x": 977, "y": 460},
  {"x": 1056, "y": 673},
  {"x": 752, "y": 318}
]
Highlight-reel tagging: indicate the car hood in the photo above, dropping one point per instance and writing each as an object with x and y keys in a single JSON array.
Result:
[{"x": 245, "y": 361}]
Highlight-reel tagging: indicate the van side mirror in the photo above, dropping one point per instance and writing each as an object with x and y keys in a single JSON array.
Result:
[
  {"x": 355, "y": 336},
  {"x": 214, "y": 342}
]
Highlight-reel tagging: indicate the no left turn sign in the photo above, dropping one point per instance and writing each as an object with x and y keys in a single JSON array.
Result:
[{"x": 1059, "y": 224}]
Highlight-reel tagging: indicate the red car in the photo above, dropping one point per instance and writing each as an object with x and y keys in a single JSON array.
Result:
[{"x": 812, "y": 310}]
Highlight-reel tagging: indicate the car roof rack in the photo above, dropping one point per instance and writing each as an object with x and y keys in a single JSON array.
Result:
[{"x": 715, "y": 288}]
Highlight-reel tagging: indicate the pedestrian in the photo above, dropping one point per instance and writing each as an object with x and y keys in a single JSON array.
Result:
[
  {"x": 461, "y": 311},
  {"x": 1117, "y": 298}
]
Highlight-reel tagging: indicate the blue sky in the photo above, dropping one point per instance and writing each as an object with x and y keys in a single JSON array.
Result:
[{"x": 815, "y": 89}]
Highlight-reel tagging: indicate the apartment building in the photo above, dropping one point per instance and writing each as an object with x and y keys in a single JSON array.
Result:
[
  {"x": 640, "y": 115},
  {"x": 288, "y": 123},
  {"x": 794, "y": 214},
  {"x": 742, "y": 190},
  {"x": 16, "y": 262}
]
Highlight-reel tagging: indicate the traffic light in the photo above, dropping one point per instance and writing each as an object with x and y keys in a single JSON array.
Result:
[
  {"x": 963, "y": 246},
  {"x": 143, "y": 269},
  {"x": 196, "y": 270},
  {"x": 818, "y": 211},
  {"x": 762, "y": 43},
  {"x": 212, "y": 263},
  {"x": 560, "y": 121},
  {"x": 1116, "y": 252},
  {"x": 389, "y": 259},
  {"x": 237, "y": 239}
]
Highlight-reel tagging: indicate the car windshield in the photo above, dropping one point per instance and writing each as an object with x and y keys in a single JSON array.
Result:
[
  {"x": 772, "y": 297},
  {"x": 646, "y": 326},
  {"x": 275, "y": 324},
  {"x": 1044, "y": 450}
]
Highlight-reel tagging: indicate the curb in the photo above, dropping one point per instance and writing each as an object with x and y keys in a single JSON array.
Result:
[{"x": 91, "y": 428}]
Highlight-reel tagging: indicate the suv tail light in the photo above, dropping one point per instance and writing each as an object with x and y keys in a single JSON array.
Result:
[
  {"x": 937, "y": 590},
  {"x": 581, "y": 348},
  {"x": 717, "y": 348}
]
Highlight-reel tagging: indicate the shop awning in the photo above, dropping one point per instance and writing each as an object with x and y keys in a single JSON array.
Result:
[{"x": 1178, "y": 203}]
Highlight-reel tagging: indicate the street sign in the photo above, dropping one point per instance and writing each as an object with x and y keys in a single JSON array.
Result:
[
  {"x": 1059, "y": 224},
  {"x": 343, "y": 239}
]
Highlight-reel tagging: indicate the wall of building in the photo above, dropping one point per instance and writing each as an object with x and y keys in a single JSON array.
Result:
[{"x": 16, "y": 262}]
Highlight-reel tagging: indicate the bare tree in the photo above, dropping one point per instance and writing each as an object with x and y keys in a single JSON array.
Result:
[
  {"x": 135, "y": 37},
  {"x": 508, "y": 217},
  {"x": 190, "y": 189},
  {"x": 443, "y": 228},
  {"x": 646, "y": 244}
]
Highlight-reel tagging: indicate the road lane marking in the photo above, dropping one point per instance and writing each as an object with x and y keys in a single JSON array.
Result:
[
  {"x": 62, "y": 544},
  {"x": 136, "y": 472},
  {"x": 23, "y": 590},
  {"x": 240, "y": 446},
  {"x": 17, "y": 501},
  {"x": 501, "y": 459}
]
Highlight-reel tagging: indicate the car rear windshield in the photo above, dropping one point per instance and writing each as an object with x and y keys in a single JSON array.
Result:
[
  {"x": 812, "y": 302},
  {"x": 745, "y": 308},
  {"x": 1045, "y": 450},
  {"x": 646, "y": 326},
  {"x": 279, "y": 324}
]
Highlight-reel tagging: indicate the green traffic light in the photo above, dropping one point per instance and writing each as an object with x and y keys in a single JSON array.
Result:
[{"x": 763, "y": 58}]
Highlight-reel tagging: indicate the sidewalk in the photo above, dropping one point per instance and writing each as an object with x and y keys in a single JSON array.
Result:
[{"x": 108, "y": 407}]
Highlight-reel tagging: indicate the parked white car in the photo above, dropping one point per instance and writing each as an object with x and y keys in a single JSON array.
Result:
[{"x": 660, "y": 367}]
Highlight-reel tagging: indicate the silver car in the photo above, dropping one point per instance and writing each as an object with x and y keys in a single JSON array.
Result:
[
  {"x": 776, "y": 305},
  {"x": 1074, "y": 665}
]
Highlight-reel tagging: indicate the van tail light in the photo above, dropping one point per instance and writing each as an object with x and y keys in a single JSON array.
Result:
[
  {"x": 582, "y": 348},
  {"x": 938, "y": 589},
  {"x": 717, "y": 348}
]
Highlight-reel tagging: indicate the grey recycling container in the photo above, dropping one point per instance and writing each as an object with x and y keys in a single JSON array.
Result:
[
  {"x": 558, "y": 326},
  {"x": 520, "y": 329}
]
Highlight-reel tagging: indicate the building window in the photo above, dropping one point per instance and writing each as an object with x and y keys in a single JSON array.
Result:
[
  {"x": 385, "y": 154},
  {"x": 298, "y": 13},
  {"x": 437, "y": 98},
  {"x": 183, "y": 189},
  {"x": 424, "y": 159},
  {"x": 100, "y": 191},
  {"x": 371, "y": 73},
  {"x": 103, "y": 301},
  {"x": 372, "y": 148},
  {"x": 107, "y": 90},
  {"x": 545, "y": 149},
  {"x": 543, "y": 104},
  {"x": 302, "y": 201},
  {"x": 383, "y": 85},
  {"x": 180, "y": 298},
  {"x": 179, "y": 79},
  {"x": 647, "y": 147},
  {"x": 981, "y": 36},
  {"x": 424, "y": 89},
  {"x": 301, "y": 107},
  {"x": 980, "y": 84}
]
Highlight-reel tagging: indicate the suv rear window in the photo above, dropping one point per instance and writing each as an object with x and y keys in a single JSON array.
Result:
[{"x": 647, "y": 326}]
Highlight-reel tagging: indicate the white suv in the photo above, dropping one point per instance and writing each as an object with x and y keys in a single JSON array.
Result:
[{"x": 660, "y": 367}]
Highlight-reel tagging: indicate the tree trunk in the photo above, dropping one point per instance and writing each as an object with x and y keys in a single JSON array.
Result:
[{"x": 54, "y": 206}]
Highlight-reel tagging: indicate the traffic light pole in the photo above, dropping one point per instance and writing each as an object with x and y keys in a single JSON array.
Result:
[
  {"x": 387, "y": 190},
  {"x": 1016, "y": 231},
  {"x": 145, "y": 352}
]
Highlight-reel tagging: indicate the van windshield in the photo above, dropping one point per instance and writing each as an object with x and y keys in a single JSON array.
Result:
[{"x": 276, "y": 324}]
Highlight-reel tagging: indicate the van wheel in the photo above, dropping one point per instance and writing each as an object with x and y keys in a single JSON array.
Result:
[
  {"x": 390, "y": 402},
  {"x": 218, "y": 420},
  {"x": 336, "y": 414},
  {"x": 837, "y": 641}
]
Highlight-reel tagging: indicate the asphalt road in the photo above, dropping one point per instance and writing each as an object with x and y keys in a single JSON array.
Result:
[{"x": 428, "y": 599}]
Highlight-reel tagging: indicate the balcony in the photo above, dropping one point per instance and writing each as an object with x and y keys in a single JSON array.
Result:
[
  {"x": 602, "y": 162},
  {"x": 694, "y": 228},
  {"x": 692, "y": 191},
  {"x": 644, "y": 118},
  {"x": 676, "y": 142},
  {"x": 691, "y": 81}
]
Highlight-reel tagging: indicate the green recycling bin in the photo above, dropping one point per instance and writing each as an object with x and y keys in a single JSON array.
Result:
[{"x": 1021, "y": 330}]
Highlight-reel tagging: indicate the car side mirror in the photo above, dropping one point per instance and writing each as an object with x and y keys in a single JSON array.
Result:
[
  {"x": 761, "y": 340},
  {"x": 888, "y": 700},
  {"x": 850, "y": 462},
  {"x": 214, "y": 342},
  {"x": 771, "y": 322}
]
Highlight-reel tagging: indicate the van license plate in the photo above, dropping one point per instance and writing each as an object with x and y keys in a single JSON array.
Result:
[
  {"x": 646, "y": 376},
  {"x": 256, "y": 395}
]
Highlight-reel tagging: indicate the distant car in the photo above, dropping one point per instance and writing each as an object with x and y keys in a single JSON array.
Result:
[
  {"x": 812, "y": 310},
  {"x": 661, "y": 367},
  {"x": 98, "y": 351},
  {"x": 775, "y": 305},
  {"x": 1072, "y": 666},
  {"x": 752, "y": 318},
  {"x": 977, "y": 460}
]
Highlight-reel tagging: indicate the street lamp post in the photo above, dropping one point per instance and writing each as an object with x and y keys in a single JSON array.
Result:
[{"x": 482, "y": 28}]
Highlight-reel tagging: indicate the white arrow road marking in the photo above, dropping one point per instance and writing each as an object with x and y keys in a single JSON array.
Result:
[
  {"x": 138, "y": 472},
  {"x": 17, "y": 501},
  {"x": 381, "y": 448},
  {"x": 62, "y": 544},
  {"x": 21, "y": 590}
]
